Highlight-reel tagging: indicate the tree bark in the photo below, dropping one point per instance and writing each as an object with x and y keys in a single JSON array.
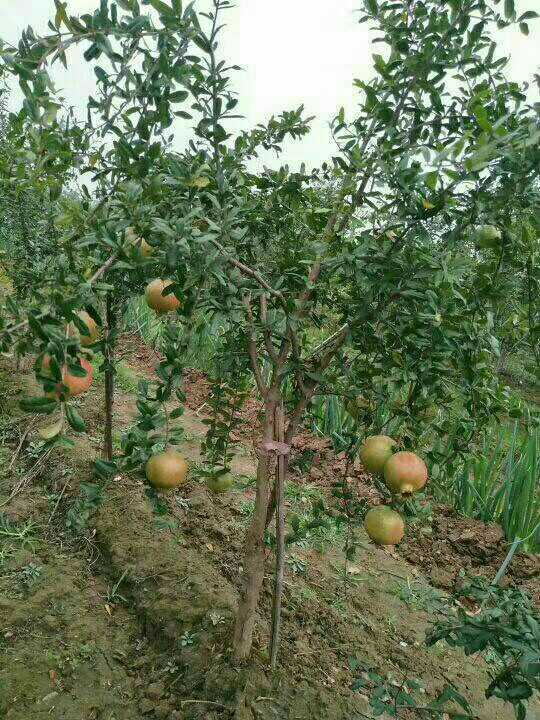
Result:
[
  {"x": 109, "y": 345},
  {"x": 253, "y": 564}
]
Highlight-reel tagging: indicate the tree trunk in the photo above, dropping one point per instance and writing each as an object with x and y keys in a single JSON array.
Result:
[
  {"x": 253, "y": 564},
  {"x": 110, "y": 341}
]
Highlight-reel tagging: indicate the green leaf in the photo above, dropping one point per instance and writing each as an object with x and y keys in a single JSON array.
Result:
[
  {"x": 529, "y": 15},
  {"x": 178, "y": 96},
  {"x": 74, "y": 419},
  {"x": 161, "y": 7},
  {"x": 524, "y": 28},
  {"x": 509, "y": 9},
  {"x": 50, "y": 431},
  {"x": 104, "y": 468},
  {"x": 43, "y": 405}
]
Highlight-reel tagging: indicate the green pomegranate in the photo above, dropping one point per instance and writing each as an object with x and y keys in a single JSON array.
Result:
[
  {"x": 375, "y": 452},
  {"x": 384, "y": 525},
  {"x": 219, "y": 483}
]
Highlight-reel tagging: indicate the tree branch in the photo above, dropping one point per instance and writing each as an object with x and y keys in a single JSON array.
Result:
[
  {"x": 270, "y": 349},
  {"x": 245, "y": 270},
  {"x": 252, "y": 347}
]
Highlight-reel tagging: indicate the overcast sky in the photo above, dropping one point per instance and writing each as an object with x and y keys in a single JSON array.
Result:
[{"x": 293, "y": 52}]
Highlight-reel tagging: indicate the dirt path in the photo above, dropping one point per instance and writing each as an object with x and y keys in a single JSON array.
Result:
[{"x": 114, "y": 609}]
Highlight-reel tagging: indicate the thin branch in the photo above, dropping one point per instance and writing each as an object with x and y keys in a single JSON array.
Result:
[
  {"x": 270, "y": 349},
  {"x": 331, "y": 348},
  {"x": 248, "y": 271},
  {"x": 252, "y": 347}
]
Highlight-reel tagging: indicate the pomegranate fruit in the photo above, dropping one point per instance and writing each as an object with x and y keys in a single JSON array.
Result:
[
  {"x": 405, "y": 473},
  {"x": 220, "y": 483},
  {"x": 71, "y": 385},
  {"x": 144, "y": 248},
  {"x": 157, "y": 301},
  {"x": 92, "y": 326},
  {"x": 166, "y": 470},
  {"x": 384, "y": 525},
  {"x": 375, "y": 452}
]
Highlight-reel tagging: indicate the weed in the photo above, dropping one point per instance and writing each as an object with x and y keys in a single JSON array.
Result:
[
  {"x": 297, "y": 565},
  {"x": 419, "y": 596},
  {"x": 91, "y": 498},
  {"x": 188, "y": 639},
  {"x": 30, "y": 574},
  {"x": 18, "y": 533},
  {"x": 183, "y": 503},
  {"x": 5, "y": 554},
  {"x": 216, "y": 618},
  {"x": 113, "y": 597},
  {"x": 166, "y": 523},
  {"x": 246, "y": 507}
]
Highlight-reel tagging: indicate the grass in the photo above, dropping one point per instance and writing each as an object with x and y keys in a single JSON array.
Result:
[
  {"x": 500, "y": 484},
  {"x": 204, "y": 344}
]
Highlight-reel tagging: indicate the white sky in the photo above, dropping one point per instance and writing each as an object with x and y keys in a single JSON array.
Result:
[{"x": 293, "y": 52}]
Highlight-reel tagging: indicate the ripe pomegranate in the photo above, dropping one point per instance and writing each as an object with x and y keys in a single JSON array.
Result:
[
  {"x": 157, "y": 301},
  {"x": 375, "y": 452},
  {"x": 144, "y": 248},
  {"x": 92, "y": 326},
  {"x": 220, "y": 483},
  {"x": 405, "y": 473},
  {"x": 384, "y": 525},
  {"x": 71, "y": 385},
  {"x": 166, "y": 470}
]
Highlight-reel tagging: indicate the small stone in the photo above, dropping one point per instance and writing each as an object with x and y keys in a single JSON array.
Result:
[
  {"x": 49, "y": 697},
  {"x": 155, "y": 691},
  {"x": 146, "y": 706}
]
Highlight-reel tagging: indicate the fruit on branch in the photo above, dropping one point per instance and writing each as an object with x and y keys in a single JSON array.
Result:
[
  {"x": 144, "y": 248},
  {"x": 157, "y": 301},
  {"x": 384, "y": 525},
  {"x": 93, "y": 329},
  {"x": 166, "y": 470},
  {"x": 375, "y": 452},
  {"x": 405, "y": 473},
  {"x": 487, "y": 237},
  {"x": 71, "y": 385},
  {"x": 219, "y": 483}
]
